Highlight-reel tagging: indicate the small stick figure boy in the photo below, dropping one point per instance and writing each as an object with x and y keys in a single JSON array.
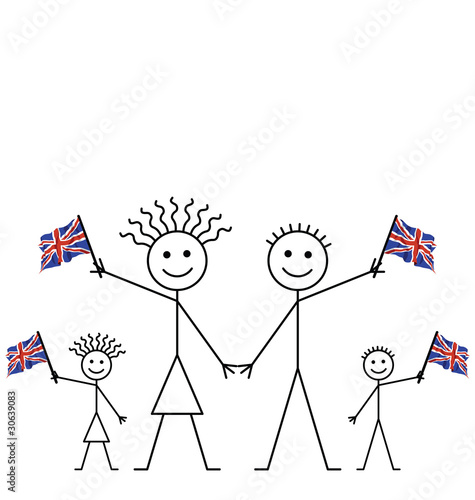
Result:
[
  {"x": 96, "y": 365},
  {"x": 378, "y": 364}
]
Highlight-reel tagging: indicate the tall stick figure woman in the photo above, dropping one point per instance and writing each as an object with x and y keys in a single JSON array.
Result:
[
  {"x": 177, "y": 260},
  {"x": 298, "y": 261},
  {"x": 96, "y": 365}
]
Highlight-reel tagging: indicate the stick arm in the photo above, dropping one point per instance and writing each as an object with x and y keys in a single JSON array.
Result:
[
  {"x": 210, "y": 347},
  {"x": 101, "y": 270},
  {"x": 374, "y": 270}
]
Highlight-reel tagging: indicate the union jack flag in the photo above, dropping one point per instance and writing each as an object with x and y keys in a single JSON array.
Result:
[
  {"x": 63, "y": 244},
  {"x": 449, "y": 354},
  {"x": 25, "y": 354},
  {"x": 411, "y": 244}
]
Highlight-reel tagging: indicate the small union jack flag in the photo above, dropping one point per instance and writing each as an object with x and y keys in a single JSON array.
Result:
[
  {"x": 25, "y": 354},
  {"x": 411, "y": 244},
  {"x": 449, "y": 354},
  {"x": 63, "y": 244}
]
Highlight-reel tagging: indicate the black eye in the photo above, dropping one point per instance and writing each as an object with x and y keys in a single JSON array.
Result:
[
  {"x": 383, "y": 361},
  {"x": 308, "y": 254},
  {"x": 101, "y": 361},
  {"x": 92, "y": 361},
  {"x": 186, "y": 253},
  {"x": 373, "y": 362},
  {"x": 287, "y": 253},
  {"x": 167, "y": 254}
]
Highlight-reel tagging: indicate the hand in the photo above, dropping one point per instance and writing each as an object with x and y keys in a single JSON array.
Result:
[
  {"x": 228, "y": 368},
  {"x": 247, "y": 368},
  {"x": 99, "y": 268},
  {"x": 54, "y": 377},
  {"x": 353, "y": 419},
  {"x": 375, "y": 268},
  {"x": 420, "y": 376},
  {"x": 122, "y": 419}
]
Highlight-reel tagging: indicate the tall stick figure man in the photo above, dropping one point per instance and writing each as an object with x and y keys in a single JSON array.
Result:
[
  {"x": 378, "y": 364},
  {"x": 96, "y": 365},
  {"x": 177, "y": 260},
  {"x": 298, "y": 261}
]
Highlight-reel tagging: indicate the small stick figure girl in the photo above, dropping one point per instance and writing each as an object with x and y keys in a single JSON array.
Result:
[{"x": 96, "y": 365}]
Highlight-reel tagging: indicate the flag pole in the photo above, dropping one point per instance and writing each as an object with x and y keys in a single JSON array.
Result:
[
  {"x": 90, "y": 247},
  {"x": 47, "y": 357},
  {"x": 427, "y": 358},
  {"x": 384, "y": 247}
]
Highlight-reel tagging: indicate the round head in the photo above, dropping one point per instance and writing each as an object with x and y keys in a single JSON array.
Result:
[
  {"x": 177, "y": 260},
  {"x": 96, "y": 365},
  {"x": 297, "y": 260},
  {"x": 378, "y": 364}
]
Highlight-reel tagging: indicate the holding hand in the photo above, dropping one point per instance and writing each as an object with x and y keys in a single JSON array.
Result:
[
  {"x": 375, "y": 268},
  {"x": 54, "y": 377},
  {"x": 100, "y": 269},
  {"x": 247, "y": 368},
  {"x": 228, "y": 368}
]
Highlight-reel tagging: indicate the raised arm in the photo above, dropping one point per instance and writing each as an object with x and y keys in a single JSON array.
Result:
[
  {"x": 374, "y": 269},
  {"x": 248, "y": 368},
  {"x": 226, "y": 367},
  {"x": 57, "y": 377},
  {"x": 419, "y": 377},
  {"x": 100, "y": 269},
  {"x": 121, "y": 419},
  {"x": 353, "y": 419}
]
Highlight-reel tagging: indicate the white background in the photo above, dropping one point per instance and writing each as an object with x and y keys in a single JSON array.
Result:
[{"x": 353, "y": 117}]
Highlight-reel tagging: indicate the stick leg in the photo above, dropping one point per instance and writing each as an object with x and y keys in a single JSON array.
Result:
[
  {"x": 84, "y": 459},
  {"x": 280, "y": 425},
  {"x": 108, "y": 459},
  {"x": 387, "y": 448},
  {"x": 370, "y": 444},
  {"x": 153, "y": 447},
  {"x": 315, "y": 426},
  {"x": 201, "y": 447}
]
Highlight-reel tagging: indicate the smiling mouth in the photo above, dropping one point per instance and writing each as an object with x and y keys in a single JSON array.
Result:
[
  {"x": 379, "y": 373},
  {"x": 96, "y": 373},
  {"x": 297, "y": 275},
  {"x": 177, "y": 275}
]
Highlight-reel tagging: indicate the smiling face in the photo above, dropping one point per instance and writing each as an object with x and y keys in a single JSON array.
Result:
[
  {"x": 297, "y": 260},
  {"x": 177, "y": 260},
  {"x": 378, "y": 365},
  {"x": 96, "y": 365}
]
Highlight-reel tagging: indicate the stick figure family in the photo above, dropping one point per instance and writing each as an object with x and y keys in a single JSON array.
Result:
[{"x": 177, "y": 260}]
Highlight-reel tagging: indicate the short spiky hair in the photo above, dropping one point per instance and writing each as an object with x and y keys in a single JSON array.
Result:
[
  {"x": 91, "y": 344},
  {"x": 377, "y": 349},
  {"x": 299, "y": 230},
  {"x": 173, "y": 220}
]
